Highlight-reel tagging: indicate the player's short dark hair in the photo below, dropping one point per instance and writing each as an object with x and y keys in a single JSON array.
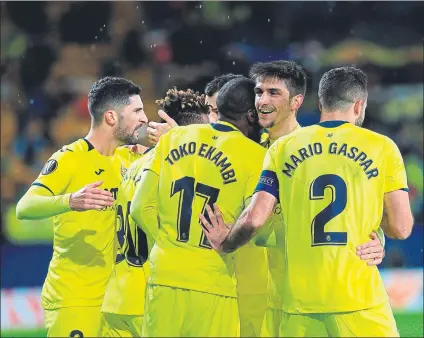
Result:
[
  {"x": 289, "y": 72},
  {"x": 184, "y": 106},
  {"x": 110, "y": 93},
  {"x": 340, "y": 87},
  {"x": 216, "y": 84},
  {"x": 236, "y": 98}
]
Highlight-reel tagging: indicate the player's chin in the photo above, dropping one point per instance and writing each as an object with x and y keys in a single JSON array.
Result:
[
  {"x": 137, "y": 130},
  {"x": 266, "y": 121},
  {"x": 136, "y": 136},
  {"x": 131, "y": 139}
]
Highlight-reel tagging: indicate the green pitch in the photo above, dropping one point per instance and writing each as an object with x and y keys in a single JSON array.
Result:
[{"x": 409, "y": 324}]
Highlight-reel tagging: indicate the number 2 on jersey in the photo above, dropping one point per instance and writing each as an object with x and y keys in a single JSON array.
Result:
[
  {"x": 188, "y": 190},
  {"x": 337, "y": 205}
]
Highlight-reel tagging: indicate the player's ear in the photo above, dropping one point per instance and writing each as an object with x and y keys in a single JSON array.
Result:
[
  {"x": 111, "y": 117},
  {"x": 205, "y": 118},
  {"x": 357, "y": 108},
  {"x": 319, "y": 106},
  {"x": 296, "y": 102},
  {"x": 252, "y": 116}
]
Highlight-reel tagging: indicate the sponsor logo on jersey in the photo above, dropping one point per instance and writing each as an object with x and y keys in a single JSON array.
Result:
[{"x": 98, "y": 172}]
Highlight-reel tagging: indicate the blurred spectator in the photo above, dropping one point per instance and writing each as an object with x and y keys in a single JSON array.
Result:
[
  {"x": 36, "y": 65},
  {"x": 31, "y": 141},
  {"x": 132, "y": 49},
  {"x": 85, "y": 22},
  {"x": 29, "y": 16}
]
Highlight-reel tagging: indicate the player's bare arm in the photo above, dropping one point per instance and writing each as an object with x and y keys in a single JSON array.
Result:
[
  {"x": 156, "y": 129},
  {"x": 397, "y": 221},
  {"x": 250, "y": 221}
]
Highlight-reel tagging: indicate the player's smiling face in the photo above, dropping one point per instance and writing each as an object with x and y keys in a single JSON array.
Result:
[
  {"x": 272, "y": 100},
  {"x": 131, "y": 119}
]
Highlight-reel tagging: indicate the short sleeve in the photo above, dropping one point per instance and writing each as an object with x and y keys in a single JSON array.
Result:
[
  {"x": 395, "y": 174},
  {"x": 57, "y": 172},
  {"x": 255, "y": 168},
  {"x": 250, "y": 187},
  {"x": 268, "y": 180}
]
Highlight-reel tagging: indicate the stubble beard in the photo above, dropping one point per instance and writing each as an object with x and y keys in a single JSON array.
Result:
[{"x": 123, "y": 135}]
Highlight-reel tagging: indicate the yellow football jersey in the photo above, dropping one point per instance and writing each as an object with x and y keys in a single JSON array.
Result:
[
  {"x": 267, "y": 142},
  {"x": 275, "y": 255},
  {"x": 127, "y": 285},
  {"x": 83, "y": 241},
  {"x": 200, "y": 164},
  {"x": 330, "y": 205}
]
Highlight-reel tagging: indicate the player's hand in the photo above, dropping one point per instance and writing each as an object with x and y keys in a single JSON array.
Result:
[
  {"x": 137, "y": 148},
  {"x": 91, "y": 198},
  {"x": 372, "y": 251},
  {"x": 216, "y": 231},
  {"x": 156, "y": 129}
]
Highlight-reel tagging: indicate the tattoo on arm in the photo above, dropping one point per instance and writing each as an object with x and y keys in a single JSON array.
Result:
[{"x": 241, "y": 233}]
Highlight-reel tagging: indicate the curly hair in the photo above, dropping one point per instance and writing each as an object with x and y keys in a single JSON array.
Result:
[{"x": 184, "y": 106}]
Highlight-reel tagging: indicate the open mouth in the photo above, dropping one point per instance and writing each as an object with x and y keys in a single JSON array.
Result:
[
  {"x": 137, "y": 129},
  {"x": 266, "y": 112}
]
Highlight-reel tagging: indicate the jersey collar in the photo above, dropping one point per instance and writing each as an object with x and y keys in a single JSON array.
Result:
[
  {"x": 332, "y": 124},
  {"x": 266, "y": 140},
  {"x": 147, "y": 150},
  {"x": 90, "y": 146},
  {"x": 224, "y": 126}
]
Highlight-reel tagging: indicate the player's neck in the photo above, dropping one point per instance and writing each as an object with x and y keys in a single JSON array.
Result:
[
  {"x": 241, "y": 124},
  {"x": 102, "y": 141},
  {"x": 283, "y": 128},
  {"x": 334, "y": 116}
]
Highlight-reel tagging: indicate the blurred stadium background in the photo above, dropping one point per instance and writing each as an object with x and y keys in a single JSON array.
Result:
[{"x": 52, "y": 52}]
